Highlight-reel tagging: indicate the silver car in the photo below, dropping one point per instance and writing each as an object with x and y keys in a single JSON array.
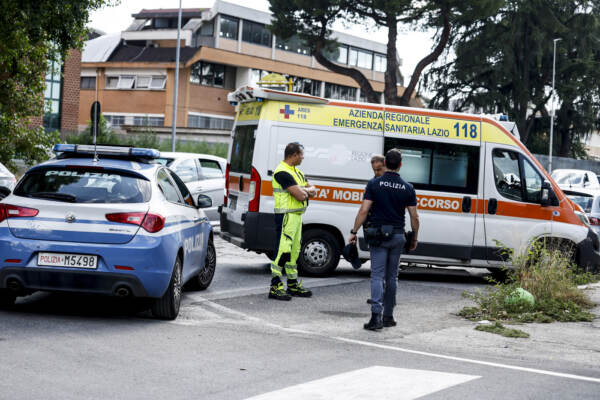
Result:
[
  {"x": 7, "y": 178},
  {"x": 589, "y": 201},
  {"x": 202, "y": 174}
]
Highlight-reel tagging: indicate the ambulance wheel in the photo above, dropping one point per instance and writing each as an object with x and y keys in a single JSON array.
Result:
[
  {"x": 7, "y": 299},
  {"x": 167, "y": 307},
  {"x": 206, "y": 274},
  {"x": 319, "y": 254},
  {"x": 499, "y": 274}
]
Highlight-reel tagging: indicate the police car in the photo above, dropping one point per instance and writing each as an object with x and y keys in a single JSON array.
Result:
[{"x": 106, "y": 220}]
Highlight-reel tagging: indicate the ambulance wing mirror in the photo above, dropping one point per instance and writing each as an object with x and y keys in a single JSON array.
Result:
[{"x": 548, "y": 196}]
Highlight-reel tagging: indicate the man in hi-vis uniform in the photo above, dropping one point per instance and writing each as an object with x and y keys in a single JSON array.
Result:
[{"x": 291, "y": 192}]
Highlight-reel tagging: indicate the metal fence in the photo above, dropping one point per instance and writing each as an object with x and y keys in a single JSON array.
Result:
[{"x": 569, "y": 163}]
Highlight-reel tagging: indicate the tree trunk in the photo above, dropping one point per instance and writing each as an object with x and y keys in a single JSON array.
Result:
[
  {"x": 414, "y": 79},
  {"x": 390, "y": 92},
  {"x": 363, "y": 82}
]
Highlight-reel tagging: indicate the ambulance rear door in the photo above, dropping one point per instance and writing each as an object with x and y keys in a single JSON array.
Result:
[{"x": 441, "y": 157}]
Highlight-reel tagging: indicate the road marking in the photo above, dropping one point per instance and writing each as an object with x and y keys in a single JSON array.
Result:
[
  {"x": 370, "y": 384},
  {"x": 469, "y": 360}
]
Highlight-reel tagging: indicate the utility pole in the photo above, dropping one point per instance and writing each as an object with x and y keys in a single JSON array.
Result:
[
  {"x": 175, "y": 92},
  {"x": 552, "y": 115}
]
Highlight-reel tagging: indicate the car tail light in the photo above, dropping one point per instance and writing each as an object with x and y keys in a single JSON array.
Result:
[
  {"x": 10, "y": 211},
  {"x": 254, "y": 191},
  {"x": 150, "y": 222},
  {"x": 594, "y": 221},
  {"x": 226, "y": 186}
]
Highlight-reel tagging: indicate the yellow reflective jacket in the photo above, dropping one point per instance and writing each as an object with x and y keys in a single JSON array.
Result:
[{"x": 284, "y": 201}]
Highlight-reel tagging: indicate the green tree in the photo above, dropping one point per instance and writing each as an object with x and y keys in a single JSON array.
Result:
[
  {"x": 503, "y": 63},
  {"x": 31, "y": 33},
  {"x": 312, "y": 21}
]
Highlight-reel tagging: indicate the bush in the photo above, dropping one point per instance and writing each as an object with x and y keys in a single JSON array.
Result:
[{"x": 547, "y": 272}]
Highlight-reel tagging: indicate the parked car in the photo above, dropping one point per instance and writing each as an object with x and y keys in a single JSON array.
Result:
[
  {"x": 123, "y": 226},
  {"x": 202, "y": 174},
  {"x": 575, "y": 178},
  {"x": 7, "y": 179},
  {"x": 589, "y": 201}
]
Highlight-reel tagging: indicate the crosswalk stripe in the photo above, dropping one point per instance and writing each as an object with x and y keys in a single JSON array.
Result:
[{"x": 371, "y": 383}]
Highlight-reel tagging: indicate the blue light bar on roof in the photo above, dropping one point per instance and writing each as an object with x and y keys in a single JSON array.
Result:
[{"x": 106, "y": 150}]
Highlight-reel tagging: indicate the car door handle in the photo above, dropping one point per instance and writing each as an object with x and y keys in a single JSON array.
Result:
[
  {"x": 200, "y": 219},
  {"x": 466, "y": 204},
  {"x": 492, "y": 206}
]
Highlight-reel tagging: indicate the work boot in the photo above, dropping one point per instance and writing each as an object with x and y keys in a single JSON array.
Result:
[
  {"x": 277, "y": 292},
  {"x": 375, "y": 323},
  {"x": 296, "y": 289},
  {"x": 388, "y": 322}
]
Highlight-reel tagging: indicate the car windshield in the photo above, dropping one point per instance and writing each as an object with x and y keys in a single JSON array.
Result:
[
  {"x": 84, "y": 185},
  {"x": 583, "y": 200},
  {"x": 568, "y": 178},
  {"x": 165, "y": 161}
]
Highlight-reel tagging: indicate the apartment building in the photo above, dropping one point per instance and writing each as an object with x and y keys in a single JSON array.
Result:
[{"x": 132, "y": 74}]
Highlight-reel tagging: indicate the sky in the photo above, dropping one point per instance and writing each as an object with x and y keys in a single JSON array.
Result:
[{"x": 412, "y": 46}]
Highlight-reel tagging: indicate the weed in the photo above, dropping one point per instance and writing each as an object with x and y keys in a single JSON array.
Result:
[
  {"x": 500, "y": 329},
  {"x": 547, "y": 272}
]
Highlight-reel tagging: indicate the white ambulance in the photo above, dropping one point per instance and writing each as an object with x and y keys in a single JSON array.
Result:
[{"x": 479, "y": 190}]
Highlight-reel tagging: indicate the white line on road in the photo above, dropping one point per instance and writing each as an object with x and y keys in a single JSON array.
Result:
[
  {"x": 469, "y": 360},
  {"x": 371, "y": 383}
]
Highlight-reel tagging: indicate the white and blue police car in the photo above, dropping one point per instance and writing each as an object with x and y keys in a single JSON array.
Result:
[{"x": 106, "y": 220}]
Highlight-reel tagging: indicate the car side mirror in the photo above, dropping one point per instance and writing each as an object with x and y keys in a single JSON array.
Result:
[
  {"x": 4, "y": 192},
  {"x": 204, "y": 201},
  {"x": 548, "y": 196}
]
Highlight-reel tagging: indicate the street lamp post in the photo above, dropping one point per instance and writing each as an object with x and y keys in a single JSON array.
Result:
[
  {"x": 552, "y": 115},
  {"x": 175, "y": 92}
]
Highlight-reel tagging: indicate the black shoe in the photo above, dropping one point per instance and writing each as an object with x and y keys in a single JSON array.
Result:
[
  {"x": 297, "y": 290},
  {"x": 388, "y": 322},
  {"x": 375, "y": 323},
  {"x": 278, "y": 293}
]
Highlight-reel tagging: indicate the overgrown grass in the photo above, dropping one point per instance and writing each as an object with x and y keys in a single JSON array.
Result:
[{"x": 547, "y": 272}]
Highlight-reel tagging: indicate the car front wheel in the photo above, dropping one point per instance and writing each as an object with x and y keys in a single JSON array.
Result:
[{"x": 167, "y": 307}]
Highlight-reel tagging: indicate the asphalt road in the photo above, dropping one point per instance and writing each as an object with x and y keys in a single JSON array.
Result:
[{"x": 231, "y": 342}]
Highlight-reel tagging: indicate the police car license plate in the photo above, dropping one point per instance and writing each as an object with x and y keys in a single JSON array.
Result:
[{"x": 67, "y": 260}]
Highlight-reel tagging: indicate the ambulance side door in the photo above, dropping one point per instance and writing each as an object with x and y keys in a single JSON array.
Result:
[{"x": 445, "y": 175}]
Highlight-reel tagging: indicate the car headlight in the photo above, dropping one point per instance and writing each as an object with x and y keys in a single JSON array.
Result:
[{"x": 583, "y": 218}]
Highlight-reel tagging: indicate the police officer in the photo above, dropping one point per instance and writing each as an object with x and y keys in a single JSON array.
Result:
[
  {"x": 387, "y": 197},
  {"x": 291, "y": 192}
]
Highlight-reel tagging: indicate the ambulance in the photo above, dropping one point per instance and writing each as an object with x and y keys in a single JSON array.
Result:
[{"x": 480, "y": 192}]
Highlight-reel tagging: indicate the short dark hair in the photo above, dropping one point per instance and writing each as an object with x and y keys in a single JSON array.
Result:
[
  {"x": 393, "y": 159},
  {"x": 377, "y": 158},
  {"x": 292, "y": 149}
]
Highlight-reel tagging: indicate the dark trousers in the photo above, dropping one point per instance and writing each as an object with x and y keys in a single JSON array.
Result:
[{"x": 385, "y": 259}]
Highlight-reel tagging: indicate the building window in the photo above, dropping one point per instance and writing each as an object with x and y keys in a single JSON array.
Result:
[
  {"x": 205, "y": 122},
  {"x": 339, "y": 55},
  {"x": 148, "y": 121},
  {"x": 340, "y": 92},
  {"x": 253, "y": 32},
  {"x": 208, "y": 74},
  {"x": 52, "y": 96},
  {"x": 115, "y": 120},
  {"x": 293, "y": 44},
  {"x": 229, "y": 27},
  {"x": 207, "y": 28},
  {"x": 363, "y": 98},
  {"x": 88, "y": 82},
  {"x": 126, "y": 82},
  {"x": 380, "y": 63},
  {"x": 306, "y": 85},
  {"x": 129, "y": 82},
  {"x": 361, "y": 58}
]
